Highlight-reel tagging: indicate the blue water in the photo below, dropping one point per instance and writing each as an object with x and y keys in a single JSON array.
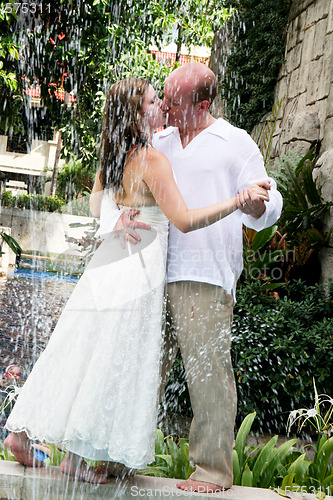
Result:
[{"x": 45, "y": 275}]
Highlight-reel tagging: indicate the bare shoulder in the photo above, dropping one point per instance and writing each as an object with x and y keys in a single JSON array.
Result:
[
  {"x": 151, "y": 159},
  {"x": 157, "y": 158},
  {"x": 151, "y": 154}
]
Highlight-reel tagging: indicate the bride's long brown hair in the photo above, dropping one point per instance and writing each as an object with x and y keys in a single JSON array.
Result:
[{"x": 121, "y": 129}]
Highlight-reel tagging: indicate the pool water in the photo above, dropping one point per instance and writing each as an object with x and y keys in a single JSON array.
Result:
[
  {"x": 30, "y": 305},
  {"x": 45, "y": 275}
]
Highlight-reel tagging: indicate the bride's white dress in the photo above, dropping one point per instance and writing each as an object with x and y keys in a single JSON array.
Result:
[{"x": 95, "y": 387}]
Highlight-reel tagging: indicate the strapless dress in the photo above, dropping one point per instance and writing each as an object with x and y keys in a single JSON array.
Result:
[{"x": 95, "y": 387}]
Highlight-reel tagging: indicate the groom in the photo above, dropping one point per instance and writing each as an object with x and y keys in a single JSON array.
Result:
[{"x": 212, "y": 160}]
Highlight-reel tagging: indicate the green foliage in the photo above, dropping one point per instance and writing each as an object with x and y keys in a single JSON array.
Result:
[
  {"x": 256, "y": 260},
  {"x": 258, "y": 466},
  {"x": 304, "y": 210},
  {"x": 10, "y": 102},
  {"x": 72, "y": 181},
  {"x": 171, "y": 458},
  {"x": 79, "y": 206},
  {"x": 190, "y": 23},
  {"x": 84, "y": 48},
  {"x": 278, "y": 346},
  {"x": 281, "y": 468},
  {"x": 56, "y": 456},
  {"x": 6, "y": 455},
  {"x": 11, "y": 242},
  {"x": 257, "y": 51},
  {"x": 262, "y": 134},
  {"x": 32, "y": 202}
]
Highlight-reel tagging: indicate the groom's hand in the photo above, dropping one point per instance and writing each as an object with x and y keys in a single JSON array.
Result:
[
  {"x": 251, "y": 200},
  {"x": 125, "y": 228}
]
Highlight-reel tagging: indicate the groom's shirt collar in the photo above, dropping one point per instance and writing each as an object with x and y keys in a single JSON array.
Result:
[{"x": 220, "y": 127}]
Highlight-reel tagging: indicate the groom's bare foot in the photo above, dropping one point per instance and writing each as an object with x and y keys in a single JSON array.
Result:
[
  {"x": 199, "y": 486},
  {"x": 81, "y": 470},
  {"x": 19, "y": 444}
]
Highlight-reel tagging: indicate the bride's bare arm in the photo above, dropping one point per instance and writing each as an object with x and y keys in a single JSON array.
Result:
[
  {"x": 159, "y": 178},
  {"x": 96, "y": 196}
]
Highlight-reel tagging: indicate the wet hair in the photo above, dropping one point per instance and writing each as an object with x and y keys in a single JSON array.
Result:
[
  {"x": 121, "y": 129},
  {"x": 206, "y": 90}
]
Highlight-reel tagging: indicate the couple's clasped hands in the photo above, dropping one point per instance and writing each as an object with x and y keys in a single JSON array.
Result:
[{"x": 250, "y": 201}]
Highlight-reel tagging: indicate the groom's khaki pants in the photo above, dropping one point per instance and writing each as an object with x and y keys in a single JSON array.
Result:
[{"x": 199, "y": 318}]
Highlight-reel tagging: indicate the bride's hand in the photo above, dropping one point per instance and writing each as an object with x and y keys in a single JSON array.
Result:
[
  {"x": 251, "y": 200},
  {"x": 125, "y": 228}
]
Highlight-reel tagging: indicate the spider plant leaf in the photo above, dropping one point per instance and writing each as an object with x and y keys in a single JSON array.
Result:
[
  {"x": 241, "y": 437},
  {"x": 310, "y": 188}
]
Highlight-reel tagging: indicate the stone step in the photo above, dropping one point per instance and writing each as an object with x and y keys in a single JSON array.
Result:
[{"x": 27, "y": 483}]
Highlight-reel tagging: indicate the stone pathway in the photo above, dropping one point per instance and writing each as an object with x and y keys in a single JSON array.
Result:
[{"x": 25, "y": 483}]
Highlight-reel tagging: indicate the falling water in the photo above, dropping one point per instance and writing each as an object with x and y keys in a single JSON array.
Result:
[{"x": 30, "y": 307}]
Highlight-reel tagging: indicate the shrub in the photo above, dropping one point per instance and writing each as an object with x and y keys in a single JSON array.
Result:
[
  {"x": 278, "y": 346},
  {"x": 257, "y": 52}
]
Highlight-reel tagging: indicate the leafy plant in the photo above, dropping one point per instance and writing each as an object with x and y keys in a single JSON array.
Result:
[
  {"x": 6, "y": 454},
  {"x": 256, "y": 259},
  {"x": 258, "y": 466},
  {"x": 262, "y": 134},
  {"x": 304, "y": 214},
  {"x": 257, "y": 39},
  {"x": 304, "y": 209},
  {"x": 171, "y": 458},
  {"x": 321, "y": 423},
  {"x": 56, "y": 456},
  {"x": 318, "y": 474},
  {"x": 11, "y": 242},
  {"x": 278, "y": 346}
]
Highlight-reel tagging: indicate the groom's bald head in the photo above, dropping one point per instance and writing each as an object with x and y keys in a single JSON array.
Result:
[
  {"x": 189, "y": 91},
  {"x": 194, "y": 79}
]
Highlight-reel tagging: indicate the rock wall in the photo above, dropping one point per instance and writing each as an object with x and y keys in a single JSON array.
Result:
[
  {"x": 305, "y": 89},
  {"x": 305, "y": 82}
]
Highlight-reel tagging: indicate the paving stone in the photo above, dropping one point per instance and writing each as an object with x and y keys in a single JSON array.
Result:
[
  {"x": 308, "y": 45},
  {"x": 317, "y": 11},
  {"x": 21, "y": 483},
  {"x": 294, "y": 58},
  {"x": 329, "y": 27},
  {"x": 323, "y": 173},
  {"x": 305, "y": 126},
  {"x": 316, "y": 86},
  {"x": 298, "y": 82},
  {"x": 319, "y": 38},
  {"x": 299, "y": 7},
  {"x": 292, "y": 32},
  {"x": 328, "y": 135},
  {"x": 301, "y": 22},
  {"x": 329, "y": 109}
]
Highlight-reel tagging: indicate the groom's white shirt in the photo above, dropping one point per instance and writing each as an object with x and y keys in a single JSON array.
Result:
[{"x": 216, "y": 164}]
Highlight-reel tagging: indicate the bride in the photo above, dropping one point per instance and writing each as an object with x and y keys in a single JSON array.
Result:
[{"x": 94, "y": 389}]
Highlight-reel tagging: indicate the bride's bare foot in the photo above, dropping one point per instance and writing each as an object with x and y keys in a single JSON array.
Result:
[
  {"x": 115, "y": 469},
  {"x": 75, "y": 466},
  {"x": 19, "y": 444},
  {"x": 199, "y": 486}
]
